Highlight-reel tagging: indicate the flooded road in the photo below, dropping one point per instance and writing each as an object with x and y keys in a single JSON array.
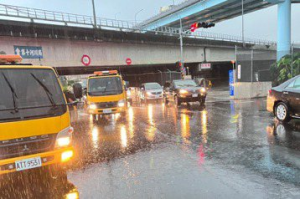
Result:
[{"x": 224, "y": 150}]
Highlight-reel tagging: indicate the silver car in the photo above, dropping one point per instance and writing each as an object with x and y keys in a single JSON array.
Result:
[{"x": 151, "y": 92}]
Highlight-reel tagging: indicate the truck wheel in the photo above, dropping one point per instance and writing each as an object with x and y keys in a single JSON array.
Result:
[
  {"x": 282, "y": 112},
  {"x": 94, "y": 118}
]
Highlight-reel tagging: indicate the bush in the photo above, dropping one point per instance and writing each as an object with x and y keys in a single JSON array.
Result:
[{"x": 286, "y": 68}]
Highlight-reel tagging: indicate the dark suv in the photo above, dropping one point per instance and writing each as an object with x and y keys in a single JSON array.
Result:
[
  {"x": 284, "y": 100},
  {"x": 181, "y": 91}
]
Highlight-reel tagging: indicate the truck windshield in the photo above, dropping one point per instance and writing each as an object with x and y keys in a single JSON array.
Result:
[
  {"x": 105, "y": 86},
  {"x": 29, "y": 93}
]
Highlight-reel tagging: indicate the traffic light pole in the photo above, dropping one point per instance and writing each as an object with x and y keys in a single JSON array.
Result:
[
  {"x": 181, "y": 44},
  {"x": 94, "y": 14}
]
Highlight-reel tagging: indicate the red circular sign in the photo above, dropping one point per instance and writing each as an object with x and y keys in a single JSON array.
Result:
[
  {"x": 86, "y": 60},
  {"x": 128, "y": 61}
]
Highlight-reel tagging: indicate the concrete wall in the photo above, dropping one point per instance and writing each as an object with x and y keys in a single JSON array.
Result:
[
  {"x": 247, "y": 90},
  {"x": 68, "y": 53},
  {"x": 220, "y": 54}
]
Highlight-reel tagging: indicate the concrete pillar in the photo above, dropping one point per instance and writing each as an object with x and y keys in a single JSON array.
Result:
[{"x": 284, "y": 29}]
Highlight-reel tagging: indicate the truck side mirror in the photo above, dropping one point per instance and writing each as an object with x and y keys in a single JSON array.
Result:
[{"x": 78, "y": 92}]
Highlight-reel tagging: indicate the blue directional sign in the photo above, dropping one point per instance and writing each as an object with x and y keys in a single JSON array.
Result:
[
  {"x": 29, "y": 52},
  {"x": 231, "y": 83}
]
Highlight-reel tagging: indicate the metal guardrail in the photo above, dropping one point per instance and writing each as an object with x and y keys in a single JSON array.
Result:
[{"x": 126, "y": 26}]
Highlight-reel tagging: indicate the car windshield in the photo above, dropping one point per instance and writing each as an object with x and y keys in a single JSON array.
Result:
[
  {"x": 184, "y": 83},
  {"x": 29, "y": 93},
  {"x": 105, "y": 86},
  {"x": 152, "y": 86}
]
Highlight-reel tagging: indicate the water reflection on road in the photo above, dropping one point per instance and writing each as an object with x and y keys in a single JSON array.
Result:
[{"x": 156, "y": 142}]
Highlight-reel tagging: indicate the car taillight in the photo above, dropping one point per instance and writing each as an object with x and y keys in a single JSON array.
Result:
[{"x": 270, "y": 92}]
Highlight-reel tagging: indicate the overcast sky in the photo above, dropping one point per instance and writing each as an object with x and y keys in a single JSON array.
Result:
[{"x": 259, "y": 25}]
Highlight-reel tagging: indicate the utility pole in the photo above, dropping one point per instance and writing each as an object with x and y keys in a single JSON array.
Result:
[
  {"x": 94, "y": 14},
  {"x": 243, "y": 31}
]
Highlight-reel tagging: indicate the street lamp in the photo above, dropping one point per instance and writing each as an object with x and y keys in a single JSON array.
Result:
[
  {"x": 136, "y": 15},
  {"x": 161, "y": 77},
  {"x": 94, "y": 14},
  {"x": 116, "y": 15},
  {"x": 170, "y": 74}
]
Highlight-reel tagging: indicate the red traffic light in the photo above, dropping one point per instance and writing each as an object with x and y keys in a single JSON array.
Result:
[{"x": 194, "y": 27}]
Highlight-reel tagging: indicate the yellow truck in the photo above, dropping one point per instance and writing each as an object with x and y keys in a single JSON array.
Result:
[
  {"x": 106, "y": 94},
  {"x": 35, "y": 129}
]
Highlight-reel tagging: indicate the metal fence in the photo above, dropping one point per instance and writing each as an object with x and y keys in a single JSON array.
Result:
[
  {"x": 135, "y": 80},
  {"x": 254, "y": 65},
  {"x": 32, "y": 14}
]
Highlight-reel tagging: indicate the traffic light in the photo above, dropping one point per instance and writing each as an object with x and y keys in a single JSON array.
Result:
[
  {"x": 179, "y": 66},
  {"x": 195, "y": 26}
]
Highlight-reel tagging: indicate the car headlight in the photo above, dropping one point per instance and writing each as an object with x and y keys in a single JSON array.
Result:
[
  {"x": 149, "y": 93},
  {"x": 183, "y": 91},
  {"x": 202, "y": 90},
  {"x": 121, "y": 103},
  {"x": 64, "y": 138},
  {"x": 92, "y": 106}
]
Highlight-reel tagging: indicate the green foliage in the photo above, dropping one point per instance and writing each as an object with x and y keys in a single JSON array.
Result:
[{"x": 286, "y": 68}]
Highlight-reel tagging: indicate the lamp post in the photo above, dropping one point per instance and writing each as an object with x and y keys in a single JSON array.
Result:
[
  {"x": 136, "y": 15},
  {"x": 116, "y": 15},
  {"x": 161, "y": 77},
  {"x": 170, "y": 74}
]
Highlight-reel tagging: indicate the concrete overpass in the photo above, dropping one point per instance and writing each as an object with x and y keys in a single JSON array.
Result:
[
  {"x": 192, "y": 11},
  {"x": 64, "y": 46}
]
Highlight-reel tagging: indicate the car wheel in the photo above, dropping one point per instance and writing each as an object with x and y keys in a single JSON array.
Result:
[
  {"x": 94, "y": 118},
  {"x": 177, "y": 101},
  {"x": 282, "y": 112},
  {"x": 202, "y": 101}
]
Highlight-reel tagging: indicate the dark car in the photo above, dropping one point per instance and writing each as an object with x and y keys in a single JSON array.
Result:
[
  {"x": 284, "y": 100},
  {"x": 181, "y": 91}
]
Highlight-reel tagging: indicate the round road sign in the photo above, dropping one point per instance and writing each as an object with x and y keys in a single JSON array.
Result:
[
  {"x": 86, "y": 60},
  {"x": 128, "y": 61}
]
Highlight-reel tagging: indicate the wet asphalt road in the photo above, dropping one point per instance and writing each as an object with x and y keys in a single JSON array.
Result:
[{"x": 224, "y": 150}]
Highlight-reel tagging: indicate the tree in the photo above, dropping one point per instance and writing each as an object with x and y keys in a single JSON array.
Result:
[{"x": 286, "y": 68}]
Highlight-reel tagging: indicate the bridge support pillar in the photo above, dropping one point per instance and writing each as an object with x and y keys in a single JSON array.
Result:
[{"x": 284, "y": 29}]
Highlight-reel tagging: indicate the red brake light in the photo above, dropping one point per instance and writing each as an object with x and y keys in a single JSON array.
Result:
[
  {"x": 108, "y": 72},
  {"x": 270, "y": 91}
]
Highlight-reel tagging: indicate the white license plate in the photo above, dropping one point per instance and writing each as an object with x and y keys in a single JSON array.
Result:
[
  {"x": 107, "y": 111},
  {"x": 195, "y": 95},
  {"x": 28, "y": 163},
  {"x": 156, "y": 96}
]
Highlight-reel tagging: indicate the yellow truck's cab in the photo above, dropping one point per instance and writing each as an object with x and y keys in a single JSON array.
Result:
[
  {"x": 35, "y": 129},
  {"x": 106, "y": 94}
]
